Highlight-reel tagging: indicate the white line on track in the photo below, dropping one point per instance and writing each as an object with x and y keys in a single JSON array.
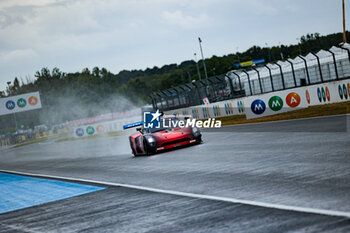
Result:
[{"x": 193, "y": 195}]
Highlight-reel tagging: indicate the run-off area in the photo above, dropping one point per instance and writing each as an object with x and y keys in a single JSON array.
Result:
[
  {"x": 18, "y": 192},
  {"x": 120, "y": 209}
]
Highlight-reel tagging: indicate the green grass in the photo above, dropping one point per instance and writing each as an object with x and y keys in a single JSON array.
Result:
[{"x": 312, "y": 111}]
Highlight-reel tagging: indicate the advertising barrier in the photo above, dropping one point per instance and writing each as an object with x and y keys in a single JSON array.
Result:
[
  {"x": 273, "y": 102},
  {"x": 297, "y": 98},
  {"x": 218, "y": 109},
  {"x": 20, "y": 103},
  {"x": 102, "y": 127},
  {"x": 105, "y": 117},
  {"x": 328, "y": 93}
]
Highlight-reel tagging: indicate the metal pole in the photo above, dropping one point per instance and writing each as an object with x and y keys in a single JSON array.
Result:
[
  {"x": 185, "y": 95},
  {"x": 239, "y": 80},
  {"x": 284, "y": 86},
  {"x": 199, "y": 73},
  {"x": 319, "y": 65},
  {"x": 307, "y": 70},
  {"x": 166, "y": 99},
  {"x": 347, "y": 51},
  {"x": 250, "y": 86},
  {"x": 273, "y": 88},
  {"x": 335, "y": 64},
  {"x": 291, "y": 64},
  {"x": 231, "y": 85},
  {"x": 153, "y": 102},
  {"x": 161, "y": 102},
  {"x": 205, "y": 85},
  {"x": 344, "y": 27},
  {"x": 261, "y": 90},
  {"x": 14, "y": 114},
  {"x": 205, "y": 68},
  {"x": 198, "y": 93}
]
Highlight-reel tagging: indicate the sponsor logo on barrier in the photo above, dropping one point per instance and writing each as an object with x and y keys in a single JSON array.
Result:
[
  {"x": 258, "y": 107},
  {"x": 275, "y": 103},
  {"x": 340, "y": 90},
  {"x": 240, "y": 106},
  {"x": 100, "y": 129},
  {"x": 228, "y": 108},
  {"x": 319, "y": 95},
  {"x": 21, "y": 103},
  {"x": 33, "y": 100},
  {"x": 328, "y": 94},
  {"x": 79, "y": 132},
  {"x": 90, "y": 130},
  {"x": 10, "y": 105},
  {"x": 323, "y": 94},
  {"x": 345, "y": 92},
  {"x": 205, "y": 112},
  {"x": 293, "y": 100},
  {"x": 216, "y": 110},
  {"x": 307, "y": 94},
  {"x": 195, "y": 113}
]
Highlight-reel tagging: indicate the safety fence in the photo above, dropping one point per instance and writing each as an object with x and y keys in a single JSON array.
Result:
[{"x": 314, "y": 68}]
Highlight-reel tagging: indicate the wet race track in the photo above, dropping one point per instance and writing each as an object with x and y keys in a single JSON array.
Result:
[{"x": 268, "y": 177}]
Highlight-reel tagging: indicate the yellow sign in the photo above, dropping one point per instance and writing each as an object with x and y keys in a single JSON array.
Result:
[{"x": 247, "y": 63}]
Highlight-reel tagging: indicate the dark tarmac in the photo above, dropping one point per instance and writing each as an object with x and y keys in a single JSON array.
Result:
[{"x": 302, "y": 163}]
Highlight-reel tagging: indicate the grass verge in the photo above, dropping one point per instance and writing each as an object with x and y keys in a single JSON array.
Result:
[
  {"x": 30, "y": 142},
  {"x": 312, "y": 111}
]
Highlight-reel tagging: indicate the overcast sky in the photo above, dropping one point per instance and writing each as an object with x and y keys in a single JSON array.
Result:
[{"x": 136, "y": 34}]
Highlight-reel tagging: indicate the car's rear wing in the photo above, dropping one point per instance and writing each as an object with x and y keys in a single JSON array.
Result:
[{"x": 132, "y": 125}]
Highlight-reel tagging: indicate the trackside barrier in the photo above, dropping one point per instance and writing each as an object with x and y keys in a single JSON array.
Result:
[
  {"x": 13, "y": 139},
  {"x": 103, "y": 127},
  {"x": 218, "y": 109},
  {"x": 297, "y": 98},
  {"x": 272, "y": 103}
]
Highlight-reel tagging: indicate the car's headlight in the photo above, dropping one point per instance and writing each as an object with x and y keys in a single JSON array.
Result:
[
  {"x": 151, "y": 139},
  {"x": 195, "y": 130}
]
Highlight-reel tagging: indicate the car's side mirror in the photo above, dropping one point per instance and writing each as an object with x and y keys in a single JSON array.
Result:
[{"x": 139, "y": 129}]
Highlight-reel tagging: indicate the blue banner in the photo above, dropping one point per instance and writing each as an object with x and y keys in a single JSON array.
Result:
[{"x": 132, "y": 125}]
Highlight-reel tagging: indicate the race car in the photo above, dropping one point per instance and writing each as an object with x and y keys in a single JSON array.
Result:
[{"x": 151, "y": 141}]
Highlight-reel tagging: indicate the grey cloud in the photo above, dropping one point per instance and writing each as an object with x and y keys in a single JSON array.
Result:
[{"x": 7, "y": 20}]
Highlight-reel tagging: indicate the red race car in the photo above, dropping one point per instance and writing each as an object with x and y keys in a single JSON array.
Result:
[{"x": 151, "y": 141}]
